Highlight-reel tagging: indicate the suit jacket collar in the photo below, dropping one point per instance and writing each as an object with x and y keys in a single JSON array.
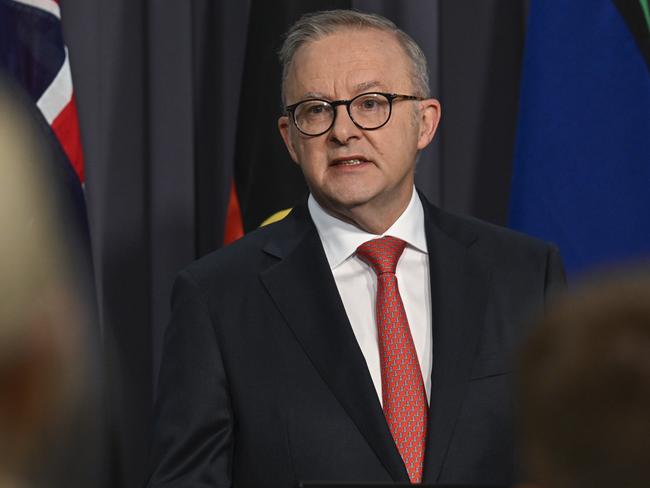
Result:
[{"x": 302, "y": 286}]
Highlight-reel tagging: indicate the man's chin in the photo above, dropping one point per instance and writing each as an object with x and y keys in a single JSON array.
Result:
[{"x": 344, "y": 202}]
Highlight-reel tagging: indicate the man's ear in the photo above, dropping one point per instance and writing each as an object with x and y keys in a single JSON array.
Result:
[
  {"x": 430, "y": 113},
  {"x": 284, "y": 126}
]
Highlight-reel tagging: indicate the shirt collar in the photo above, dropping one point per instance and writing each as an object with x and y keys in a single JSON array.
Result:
[{"x": 340, "y": 239}]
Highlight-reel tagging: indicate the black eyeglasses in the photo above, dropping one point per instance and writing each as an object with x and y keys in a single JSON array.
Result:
[{"x": 368, "y": 111}]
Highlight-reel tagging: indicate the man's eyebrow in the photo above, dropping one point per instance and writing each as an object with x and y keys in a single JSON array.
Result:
[
  {"x": 367, "y": 85},
  {"x": 307, "y": 95},
  {"x": 360, "y": 88}
]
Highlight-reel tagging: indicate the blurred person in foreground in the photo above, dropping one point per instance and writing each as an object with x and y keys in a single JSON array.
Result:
[
  {"x": 46, "y": 418},
  {"x": 584, "y": 389}
]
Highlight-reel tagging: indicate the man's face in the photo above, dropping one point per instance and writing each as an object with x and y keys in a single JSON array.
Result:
[{"x": 350, "y": 170}]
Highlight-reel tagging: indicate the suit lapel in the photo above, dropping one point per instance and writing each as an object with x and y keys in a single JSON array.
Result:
[
  {"x": 303, "y": 288},
  {"x": 458, "y": 295}
]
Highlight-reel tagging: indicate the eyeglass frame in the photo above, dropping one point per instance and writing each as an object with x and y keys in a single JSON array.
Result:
[{"x": 290, "y": 109}]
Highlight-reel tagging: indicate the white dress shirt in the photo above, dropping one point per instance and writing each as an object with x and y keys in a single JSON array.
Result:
[{"x": 357, "y": 282}]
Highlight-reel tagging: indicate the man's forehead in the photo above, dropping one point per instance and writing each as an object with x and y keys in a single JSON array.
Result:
[{"x": 357, "y": 59}]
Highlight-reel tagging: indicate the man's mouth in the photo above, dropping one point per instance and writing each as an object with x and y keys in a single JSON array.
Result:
[{"x": 354, "y": 161}]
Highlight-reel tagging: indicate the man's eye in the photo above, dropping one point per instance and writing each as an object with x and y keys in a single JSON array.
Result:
[
  {"x": 369, "y": 104},
  {"x": 315, "y": 110}
]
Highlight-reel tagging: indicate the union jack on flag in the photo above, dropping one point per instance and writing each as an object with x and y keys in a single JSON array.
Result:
[{"x": 32, "y": 51}]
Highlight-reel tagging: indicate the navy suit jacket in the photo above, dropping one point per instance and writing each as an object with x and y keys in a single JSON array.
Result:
[{"x": 263, "y": 384}]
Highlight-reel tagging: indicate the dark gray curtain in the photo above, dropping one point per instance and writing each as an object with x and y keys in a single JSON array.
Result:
[
  {"x": 158, "y": 91},
  {"x": 108, "y": 43},
  {"x": 481, "y": 47}
]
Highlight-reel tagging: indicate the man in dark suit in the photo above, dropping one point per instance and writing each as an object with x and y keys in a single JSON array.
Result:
[{"x": 367, "y": 336}]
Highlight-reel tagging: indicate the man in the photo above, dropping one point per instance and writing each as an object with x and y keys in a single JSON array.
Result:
[
  {"x": 293, "y": 355},
  {"x": 584, "y": 389}
]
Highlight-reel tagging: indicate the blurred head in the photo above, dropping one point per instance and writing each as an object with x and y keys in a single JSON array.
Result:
[
  {"x": 39, "y": 315},
  {"x": 352, "y": 171},
  {"x": 584, "y": 388}
]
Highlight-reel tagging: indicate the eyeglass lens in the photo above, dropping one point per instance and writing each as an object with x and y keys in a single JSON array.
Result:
[{"x": 368, "y": 111}]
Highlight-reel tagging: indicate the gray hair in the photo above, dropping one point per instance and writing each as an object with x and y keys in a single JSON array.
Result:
[{"x": 316, "y": 25}]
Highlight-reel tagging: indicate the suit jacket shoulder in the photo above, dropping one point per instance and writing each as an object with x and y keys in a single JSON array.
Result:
[
  {"x": 255, "y": 251},
  {"x": 503, "y": 250}
]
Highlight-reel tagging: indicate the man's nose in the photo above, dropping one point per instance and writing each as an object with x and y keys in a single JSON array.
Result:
[{"x": 344, "y": 128}]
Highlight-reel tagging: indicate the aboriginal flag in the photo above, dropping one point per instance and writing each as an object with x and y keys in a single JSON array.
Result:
[{"x": 582, "y": 160}]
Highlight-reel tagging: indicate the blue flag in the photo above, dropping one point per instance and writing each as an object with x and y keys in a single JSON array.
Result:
[{"x": 581, "y": 174}]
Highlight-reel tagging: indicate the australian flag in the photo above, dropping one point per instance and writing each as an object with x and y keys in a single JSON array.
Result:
[{"x": 33, "y": 54}]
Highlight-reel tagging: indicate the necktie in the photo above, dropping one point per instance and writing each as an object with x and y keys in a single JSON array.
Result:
[{"x": 403, "y": 395}]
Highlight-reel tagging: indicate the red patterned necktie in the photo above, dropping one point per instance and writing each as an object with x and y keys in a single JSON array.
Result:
[{"x": 403, "y": 395}]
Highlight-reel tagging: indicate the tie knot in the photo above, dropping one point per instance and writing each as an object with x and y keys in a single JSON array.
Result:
[{"x": 382, "y": 254}]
